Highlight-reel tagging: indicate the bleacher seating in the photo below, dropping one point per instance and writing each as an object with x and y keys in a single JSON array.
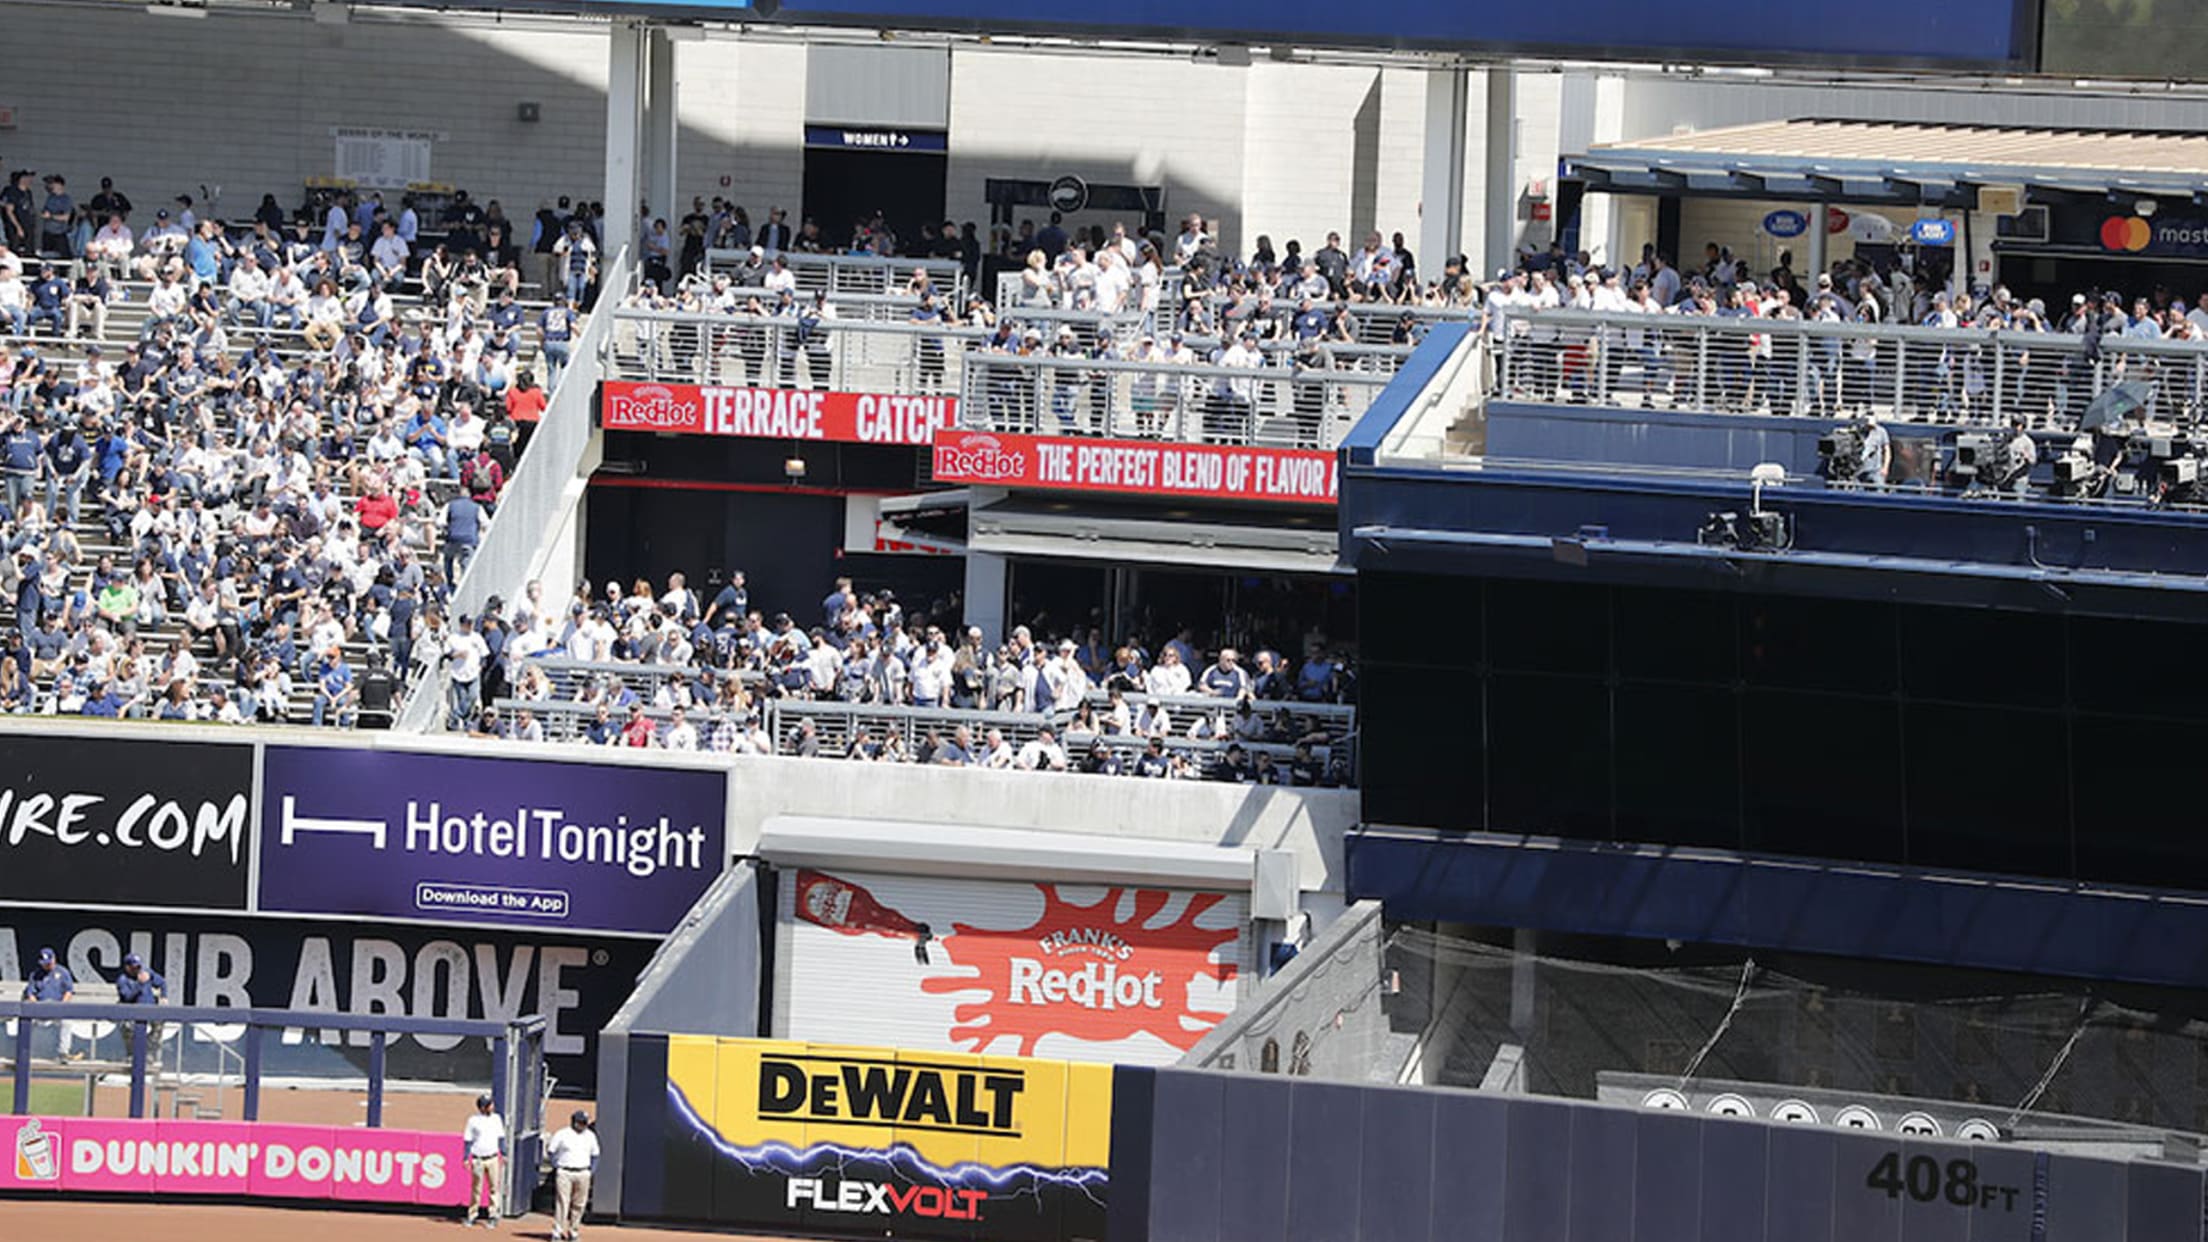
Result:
[{"x": 122, "y": 326}]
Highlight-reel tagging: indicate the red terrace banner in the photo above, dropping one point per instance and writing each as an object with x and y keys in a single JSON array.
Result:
[
  {"x": 1136, "y": 467},
  {"x": 775, "y": 413}
]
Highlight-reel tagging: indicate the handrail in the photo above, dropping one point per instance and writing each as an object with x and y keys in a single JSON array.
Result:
[
  {"x": 535, "y": 502},
  {"x": 1907, "y": 372},
  {"x": 904, "y": 327}
]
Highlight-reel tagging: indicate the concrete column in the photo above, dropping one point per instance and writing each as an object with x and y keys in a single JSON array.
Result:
[
  {"x": 625, "y": 97},
  {"x": 1820, "y": 256},
  {"x": 1501, "y": 147},
  {"x": 988, "y": 583},
  {"x": 1441, "y": 192},
  {"x": 662, "y": 121},
  {"x": 1601, "y": 231}
]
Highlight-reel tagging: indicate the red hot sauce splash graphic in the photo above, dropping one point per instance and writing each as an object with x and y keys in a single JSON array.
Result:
[{"x": 1083, "y": 972}]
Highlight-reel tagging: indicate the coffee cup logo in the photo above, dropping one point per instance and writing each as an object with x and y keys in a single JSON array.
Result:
[{"x": 34, "y": 1154}]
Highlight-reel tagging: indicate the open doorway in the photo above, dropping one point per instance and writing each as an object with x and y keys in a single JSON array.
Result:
[{"x": 898, "y": 173}]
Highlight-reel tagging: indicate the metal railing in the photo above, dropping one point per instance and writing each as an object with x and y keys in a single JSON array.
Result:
[
  {"x": 534, "y": 504},
  {"x": 1372, "y": 323},
  {"x": 1280, "y": 403},
  {"x": 836, "y": 724},
  {"x": 1287, "y": 406},
  {"x": 779, "y": 351},
  {"x": 1740, "y": 365},
  {"x": 844, "y": 274}
]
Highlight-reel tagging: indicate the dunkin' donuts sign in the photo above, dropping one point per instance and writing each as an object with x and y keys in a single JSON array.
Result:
[
  {"x": 775, "y": 413},
  {"x": 1125, "y": 974},
  {"x": 346, "y": 1164}
]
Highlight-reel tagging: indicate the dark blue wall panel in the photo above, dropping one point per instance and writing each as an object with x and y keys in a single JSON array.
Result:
[
  {"x": 2164, "y": 1202},
  {"x": 2086, "y": 1199},
  {"x": 2002, "y": 1216},
  {"x": 1797, "y": 1197},
  {"x": 1593, "y": 435},
  {"x": 1188, "y": 1137},
  {"x": 1734, "y": 1179},
  {"x": 1395, "y": 1196},
  {"x": 1537, "y": 1181},
  {"x": 1471, "y": 1153},
  {"x": 1713, "y": 897},
  {"x": 1602, "y": 1175},
  {"x": 1940, "y": 1220},
  {"x": 1134, "y": 1108},
  {"x": 1667, "y": 1176},
  {"x": 645, "y": 1131},
  {"x": 1857, "y": 1210},
  {"x": 1253, "y": 1191},
  {"x": 1326, "y": 1136},
  {"x": 1548, "y": 502},
  {"x": 1984, "y": 34}
]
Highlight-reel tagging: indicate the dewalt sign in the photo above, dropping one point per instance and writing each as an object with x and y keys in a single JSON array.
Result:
[
  {"x": 920, "y": 1144},
  {"x": 890, "y": 1095}
]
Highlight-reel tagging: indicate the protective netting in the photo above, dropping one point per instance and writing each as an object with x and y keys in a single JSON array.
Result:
[{"x": 1881, "y": 1044}]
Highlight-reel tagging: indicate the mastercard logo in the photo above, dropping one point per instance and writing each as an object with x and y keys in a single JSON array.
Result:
[{"x": 2125, "y": 233}]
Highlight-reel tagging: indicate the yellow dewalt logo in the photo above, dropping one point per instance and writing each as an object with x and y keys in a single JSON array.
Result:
[{"x": 907, "y": 1095}]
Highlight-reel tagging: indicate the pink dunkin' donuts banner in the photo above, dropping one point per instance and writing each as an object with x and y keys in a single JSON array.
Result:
[{"x": 231, "y": 1158}]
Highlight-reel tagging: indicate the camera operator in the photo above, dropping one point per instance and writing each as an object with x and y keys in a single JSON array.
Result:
[
  {"x": 2020, "y": 454},
  {"x": 1878, "y": 452}
]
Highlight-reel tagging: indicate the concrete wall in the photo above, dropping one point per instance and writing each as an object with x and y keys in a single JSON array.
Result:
[
  {"x": 164, "y": 105},
  {"x": 1655, "y": 106},
  {"x": 1311, "y": 823},
  {"x": 246, "y": 101}
]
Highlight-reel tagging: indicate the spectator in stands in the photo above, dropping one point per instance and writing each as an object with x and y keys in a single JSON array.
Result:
[
  {"x": 578, "y": 255},
  {"x": 464, "y": 654},
  {"x": 1226, "y": 678},
  {"x": 50, "y": 982},
  {"x": 336, "y": 698},
  {"x": 57, "y": 218}
]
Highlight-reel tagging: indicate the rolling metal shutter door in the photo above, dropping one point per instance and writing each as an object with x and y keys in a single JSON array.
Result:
[{"x": 1081, "y": 972}]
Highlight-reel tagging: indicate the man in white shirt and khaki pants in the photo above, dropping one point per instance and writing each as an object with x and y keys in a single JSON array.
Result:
[
  {"x": 574, "y": 1153},
  {"x": 485, "y": 1137}
]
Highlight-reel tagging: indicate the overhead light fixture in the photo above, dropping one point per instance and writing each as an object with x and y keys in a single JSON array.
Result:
[
  {"x": 2146, "y": 207},
  {"x": 794, "y": 467}
]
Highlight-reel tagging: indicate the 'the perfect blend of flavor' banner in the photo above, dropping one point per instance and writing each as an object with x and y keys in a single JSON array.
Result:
[{"x": 1136, "y": 467}]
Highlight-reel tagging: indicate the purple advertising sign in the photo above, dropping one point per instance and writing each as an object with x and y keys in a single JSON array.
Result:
[{"x": 520, "y": 842}]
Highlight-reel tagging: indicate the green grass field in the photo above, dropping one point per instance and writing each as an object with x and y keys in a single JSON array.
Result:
[{"x": 49, "y": 1098}]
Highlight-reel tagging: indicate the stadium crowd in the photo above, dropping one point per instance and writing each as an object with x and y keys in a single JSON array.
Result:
[
  {"x": 237, "y": 460},
  {"x": 705, "y": 665}
]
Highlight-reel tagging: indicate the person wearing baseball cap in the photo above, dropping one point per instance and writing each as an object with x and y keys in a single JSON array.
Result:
[
  {"x": 51, "y": 983},
  {"x": 140, "y": 985},
  {"x": 485, "y": 1138},
  {"x": 574, "y": 1155}
]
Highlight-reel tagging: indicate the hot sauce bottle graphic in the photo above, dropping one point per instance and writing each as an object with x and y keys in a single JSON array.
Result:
[{"x": 844, "y": 907}]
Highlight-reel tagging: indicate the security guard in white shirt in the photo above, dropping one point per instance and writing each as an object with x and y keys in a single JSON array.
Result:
[
  {"x": 485, "y": 1136},
  {"x": 573, "y": 1153}
]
